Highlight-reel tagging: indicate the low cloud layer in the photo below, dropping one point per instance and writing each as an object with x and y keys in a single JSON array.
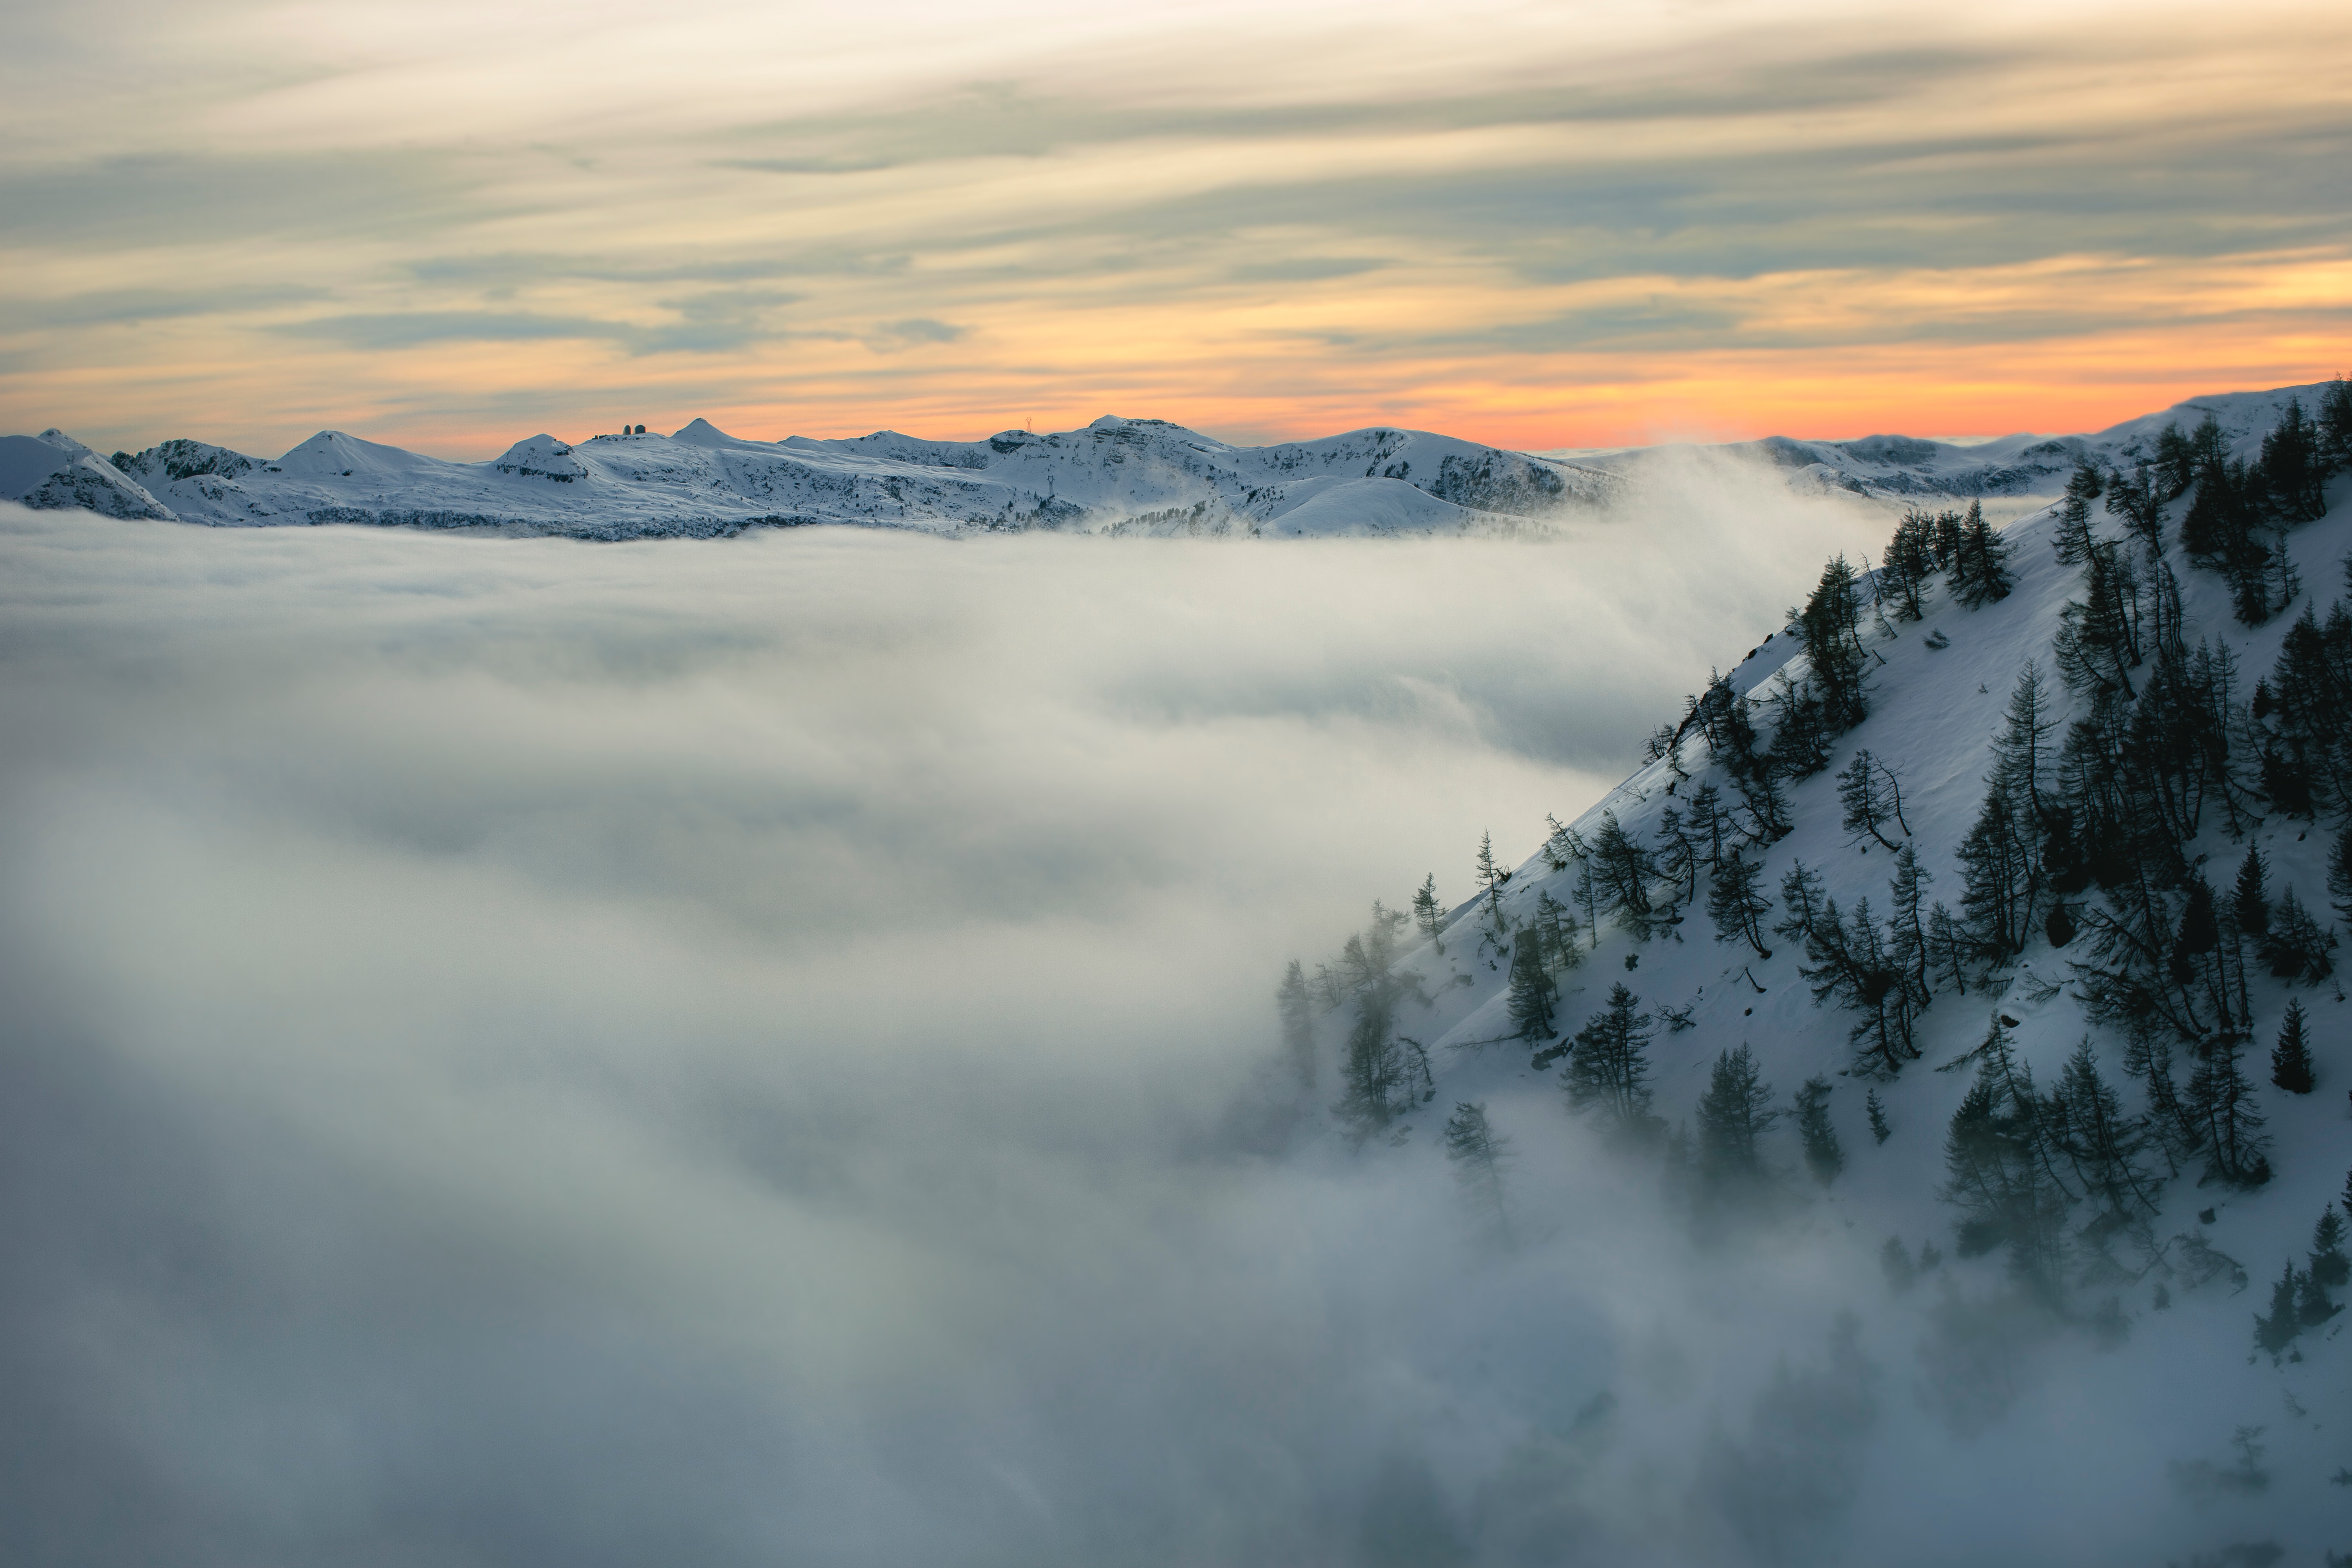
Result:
[{"x": 530, "y": 1053}]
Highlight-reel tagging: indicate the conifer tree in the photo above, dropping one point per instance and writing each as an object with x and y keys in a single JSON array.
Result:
[
  {"x": 2251, "y": 898},
  {"x": 1297, "y": 1023},
  {"x": 1533, "y": 993},
  {"x": 2175, "y": 462},
  {"x": 1428, "y": 914},
  {"x": 1949, "y": 555},
  {"x": 1908, "y": 942},
  {"x": 1377, "y": 1072},
  {"x": 1948, "y": 948},
  {"x": 1624, "y": 871},
  {"x": 1804, "y": 907},
  {"x": 1824, "y": 1157},
  {"x": 2172, "y": 1122},
  {"x": 2223, "y": 1103},
  {"x": 2072, "y": 538},
  {"x": 1678, "y": 857},
  {"x": 2295, "y": 947},
  {"x": 1910, "y": 559},
  {"x": 2102, "y": 1142},
  {"x": 1607, "y": 1066},
  {"x": 1733, "y": 1115},
  {"x": 2135, "y": 498},
  {"x": 1872, "y": 799},
  {"x": 1555, "y": 927},
  {"x": 2339, "y": 875},
  {"x": 1711, "y": 825},
  {"x": 1999, "y": 1172},
  {"x": 1588, "y": 897},
  {"x": 1879, "y": 1129},
  {"x": 1988, "y": 577},
  {"x": 2275, "y": 1332},
  {"x": 1767, "y": 806},
  {"x": 2312, "y": 1306},
  {"x": 2291, "y": 1057},
  {"x": 2098, "y": 642},
  {"x": 1562, "y": 846},
  {"x": 1489, "y": 877},
  {"x": 1737, "y": 905},
  {"x": 2336, "y": 424},
  {"x": 1831, "y": 624},
  {"x": 2021, "y": 763},
  {"x": 1999, "y": 878},
  {"x": 2291, "y": 466},
  {"x": 2328, "y": 1264},
  {"x": 1477, "y": 1153}
]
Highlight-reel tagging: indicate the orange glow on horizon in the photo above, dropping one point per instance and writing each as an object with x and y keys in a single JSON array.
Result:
[{"x": 1545, "y": 230}]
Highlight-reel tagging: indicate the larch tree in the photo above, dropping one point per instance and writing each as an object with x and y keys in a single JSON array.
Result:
[
  {"x": 1533, "y": 993},
  {"x": 1489, "y": 877},
  {"x": 1733, "y": 1115},
  {"x": 1872, "y": 799},
  {"x": 1428, "y": 914},
  {"x": 2223, "y": 1101},
  {"x": 2072, "y": 538},
  {"x": 1737, "y": 905},
  {"x": 1988, "y": 577},
  {"x": 1607, "y": 1066}
]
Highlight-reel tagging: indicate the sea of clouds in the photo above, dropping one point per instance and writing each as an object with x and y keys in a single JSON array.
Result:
[{"x": 762, "y": 1051}]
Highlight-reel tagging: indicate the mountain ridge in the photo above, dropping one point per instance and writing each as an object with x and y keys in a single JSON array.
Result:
[{"x": 1115, "y": 476}]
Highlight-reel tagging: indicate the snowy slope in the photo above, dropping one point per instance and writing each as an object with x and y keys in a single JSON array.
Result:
[
  {"x": 1117, "y": 476},
  {"x": 53, "y": 470},
  {"x": 1934, "y": 711}
]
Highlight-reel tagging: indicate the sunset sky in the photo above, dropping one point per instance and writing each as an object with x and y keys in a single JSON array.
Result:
[{"x": 1541, "y": 225}]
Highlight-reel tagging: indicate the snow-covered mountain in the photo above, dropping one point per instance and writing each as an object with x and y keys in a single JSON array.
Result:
[
  {"x": 54, "y": 471},
  {"x": 2166, "y": 1289},
  {"x": 1117, "y": 476}
]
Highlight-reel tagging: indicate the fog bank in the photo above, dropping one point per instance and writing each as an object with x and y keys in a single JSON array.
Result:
[{"x": 530, "y": 1053}]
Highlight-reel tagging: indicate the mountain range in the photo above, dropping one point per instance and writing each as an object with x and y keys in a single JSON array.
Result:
[{"x": 1116, "y": 476}]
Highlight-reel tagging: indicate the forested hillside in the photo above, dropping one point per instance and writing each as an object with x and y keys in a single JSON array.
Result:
[{"x": 1986, "y": 916}]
